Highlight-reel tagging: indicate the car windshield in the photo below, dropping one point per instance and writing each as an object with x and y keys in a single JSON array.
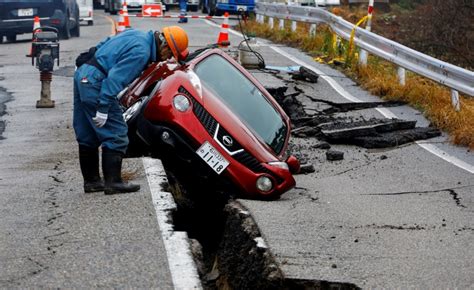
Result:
[{"x": 243, "y": 98}]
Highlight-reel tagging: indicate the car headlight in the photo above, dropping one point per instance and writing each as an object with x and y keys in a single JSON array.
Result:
[
  {"x": 181, "y": 103},
  {"x": 264, "y": 183},
  {"x": 279, "y": 164}
]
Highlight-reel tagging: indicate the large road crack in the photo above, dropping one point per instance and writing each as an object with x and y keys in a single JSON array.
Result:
[
  {"x": 451, "y": 191},
  {"x": 53, "y": 240}
]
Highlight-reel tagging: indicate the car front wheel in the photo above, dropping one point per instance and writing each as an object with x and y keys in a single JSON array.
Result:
[
  {"x": 65, "y": 31},
  {"x": 76, "y": 32}
]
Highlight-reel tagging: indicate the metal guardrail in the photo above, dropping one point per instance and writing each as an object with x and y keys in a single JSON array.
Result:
[{"x": 442, "y": 72}]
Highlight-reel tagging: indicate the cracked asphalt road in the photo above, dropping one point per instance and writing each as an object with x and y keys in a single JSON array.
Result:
[
  {"x": 387, "y": 218},
  {"x": 394, "y": 217}
]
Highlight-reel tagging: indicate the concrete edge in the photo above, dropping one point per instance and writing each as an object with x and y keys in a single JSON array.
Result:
[{"x": 183, "y": 269}]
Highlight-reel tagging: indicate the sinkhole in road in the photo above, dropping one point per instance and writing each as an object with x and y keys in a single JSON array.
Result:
[{"x": 226, "y": 243}]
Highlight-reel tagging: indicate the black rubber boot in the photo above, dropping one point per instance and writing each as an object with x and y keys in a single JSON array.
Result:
[
  {"x": 89, "y": 161},
  {"x": 112, "y": 168}
]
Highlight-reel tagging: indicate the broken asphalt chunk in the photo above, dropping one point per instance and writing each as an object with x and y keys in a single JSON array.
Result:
[
  {"x": 306, "y": 168},
  {"x": 305, "y": 74},
  {"x": 334, "y": 155},
  {"x": 339, "y": 131},
  {"x": 305, "y": 131},
  {"x": 396, "y": 138},
  {"x": 322, "y": 145}
]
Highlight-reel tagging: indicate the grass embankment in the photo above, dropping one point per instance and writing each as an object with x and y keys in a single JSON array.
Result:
[{"x": 379, "y": 77}]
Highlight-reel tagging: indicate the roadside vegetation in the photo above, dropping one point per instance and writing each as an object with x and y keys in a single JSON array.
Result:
[{"x": 379, "y": 76}]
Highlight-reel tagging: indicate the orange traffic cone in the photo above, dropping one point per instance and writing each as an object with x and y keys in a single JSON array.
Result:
[
  {"x": 223, "y": 39},
  {"x": 120, "y": 24},
  {"x": 126, "y": 19},
  {"x": 36, "y": 23}
]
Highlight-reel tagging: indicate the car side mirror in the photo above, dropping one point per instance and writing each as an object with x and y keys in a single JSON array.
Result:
[{"x": 293, "y": 164}]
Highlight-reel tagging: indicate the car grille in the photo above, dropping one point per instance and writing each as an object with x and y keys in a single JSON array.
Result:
[
  {"x": 211, "y": 124},
  {"x": 250, "y": 162},
  {"x": 204, "y": 117}
]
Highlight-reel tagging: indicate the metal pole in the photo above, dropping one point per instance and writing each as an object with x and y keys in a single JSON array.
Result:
[
  {"x": 281, "y": 24},
  {"x": 455, "y": 100},
  {"x": 401, "y": 73},
  {"x": 312, "y": 30},
  {"x": 368, "y": 27}
]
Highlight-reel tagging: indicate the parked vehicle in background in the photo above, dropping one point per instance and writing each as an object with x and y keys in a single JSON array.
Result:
[
  {"x": 313, "y": 3},
  {"x": 218, "y": 7},
  {"x": 99, "y": 4},
  {"x": 114, "y": 6},
  {"x": 193, "y": 5},
  {"x": 16, "y": 17},
  {"x": 86, "y": 11},
  {"x": 210, "y": 117}
]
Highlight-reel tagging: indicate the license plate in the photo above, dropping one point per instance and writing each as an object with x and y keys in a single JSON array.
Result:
[
  {"x": 25, "y": 12},
  {"x": 241, "y": 8},
  {"x": 212, "y": 157}
]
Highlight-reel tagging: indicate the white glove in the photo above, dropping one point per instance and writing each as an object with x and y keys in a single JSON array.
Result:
[{"x": 100, "y": 119}]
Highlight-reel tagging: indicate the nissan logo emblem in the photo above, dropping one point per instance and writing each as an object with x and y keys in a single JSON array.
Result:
[{"x": 227, "y": 140}]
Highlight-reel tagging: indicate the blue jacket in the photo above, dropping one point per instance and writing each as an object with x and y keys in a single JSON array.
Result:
[{"x": 123, "y": 57}]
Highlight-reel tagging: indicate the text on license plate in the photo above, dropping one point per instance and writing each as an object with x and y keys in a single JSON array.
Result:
[
  {"x": 25, "y": 12},
  {"x": 212, "y": 157},
  {"x": 241, "y": 8}
]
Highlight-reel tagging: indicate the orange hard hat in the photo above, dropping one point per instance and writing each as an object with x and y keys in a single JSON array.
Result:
[{"x": 177, "y": 40}]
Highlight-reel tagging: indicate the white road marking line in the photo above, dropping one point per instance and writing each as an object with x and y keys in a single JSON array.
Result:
[
  {"x": 182, "y": 267},
  {"x": 443, "y": 155},
  {"x": 385, "y": 112}
]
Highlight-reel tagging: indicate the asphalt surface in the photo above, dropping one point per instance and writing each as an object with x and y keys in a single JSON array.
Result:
[
  {"x": 52, "y": 234},
  {"x": 391, "y": 218}
]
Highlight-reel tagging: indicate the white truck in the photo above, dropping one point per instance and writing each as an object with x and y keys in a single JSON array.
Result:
[{"x": 86, "y": 11}]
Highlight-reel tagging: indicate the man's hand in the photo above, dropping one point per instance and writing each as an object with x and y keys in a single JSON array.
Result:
[{"x": 100, "y": 119}]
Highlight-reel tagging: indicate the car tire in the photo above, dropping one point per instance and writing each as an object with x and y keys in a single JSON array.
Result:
[
  {"x": 11, "y": 37},
  {"x": 65, "y": 32},
  {"x": 90, "y": 22},
  {"x": 218, "y": 12},
  {"x": 76, "y": 31}
]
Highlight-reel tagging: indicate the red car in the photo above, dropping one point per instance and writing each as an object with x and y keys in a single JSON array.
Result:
[{"x": 215, "y": 115}]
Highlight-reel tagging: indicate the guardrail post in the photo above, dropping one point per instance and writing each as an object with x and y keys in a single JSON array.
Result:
[
  {"x": 270, "y": 22},
  {"x": 281, "y": 24},
  {"x": 312, "y": 30},
  {"x": 401, "y": 73},
  {"x": 293, "y": 26},
  {"x": 455, "y": 100},
  {"x": 363, "y": 54}
]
